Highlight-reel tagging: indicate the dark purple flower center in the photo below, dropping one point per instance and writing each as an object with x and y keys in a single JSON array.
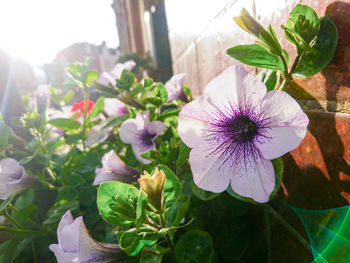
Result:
[
  {"x": 147, "y": 138},
  {"x": 234, "y": 133}
]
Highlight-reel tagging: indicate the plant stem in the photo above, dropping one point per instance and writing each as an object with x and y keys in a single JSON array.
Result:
[
  {"x": 168, "y": 237},
  {"x": 18, "y": 230},
  {"x": 86, "y": 98},
  {"x": 277, "y": 216}
]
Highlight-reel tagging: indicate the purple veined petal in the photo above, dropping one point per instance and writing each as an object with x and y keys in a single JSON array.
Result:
[
  {"x": 69, "y": 236},
  {"x": 288, "y": 124},
  {"x": 114, "y": 107},
  {"x": 128, "y": 131},
  {"x": 193, "y": 121},
  {"x": 75, "y": 245},
  {"x": 156, "y": 128},
  {"x": 254, "y": 180},
  {"x": 139, "y": 148},
  {"x": 92, "y": 251},
  {"x": 207, "y": 171},
  {"x": 114, "y": 169},
  {"x": 13, "y": 178},
  {"x": 106, "y": 78},
  {"x": 62, "y": 256}
]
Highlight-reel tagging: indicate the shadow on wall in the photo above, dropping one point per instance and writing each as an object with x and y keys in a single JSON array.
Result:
[{"x": 325, "y": 183}]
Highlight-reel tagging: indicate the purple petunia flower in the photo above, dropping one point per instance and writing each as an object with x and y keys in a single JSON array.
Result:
[
  {"x": 235, "y": 128},
  {"x": 114, "y": 107},
  {"x": 110, "y": 77},
  {"x": 141, "y": 134},
  {"x": 75, "y": 245},
  {"x": 13, "y": 178},
  {"x": 114, "y": 169},
  {"x": 174, "y": 88}
]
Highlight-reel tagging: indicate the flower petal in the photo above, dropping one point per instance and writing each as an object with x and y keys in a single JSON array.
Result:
[
  {"x": 114, "y": 107},
  {"x": 287, "y": 121},
  {"x": 193, "y": 120},
  {"x": 255, "y": 181},
  {"x": 62, "y": 256},
  {"x": 155, "y": 127},
  {"x": 235, "y": 86},
  {"x": 128, "y": 131},
  {"x": 206, "y": 170},
  {"x": 105, "y": 79},
  {"x": 139, "y": 148},
  {"x": 68, "y": 238}
]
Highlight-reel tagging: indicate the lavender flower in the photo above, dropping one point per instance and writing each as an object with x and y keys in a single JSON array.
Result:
[
  {"x": 114, "y": 107},
  {"x": 235, "y": 128},
  {"x": 114, "y": 169},
  {"x": 110, "y": 77},
  {"x": 13, "y": 178},
  {"x": 174, "y": 88},
  {"x": 141, "y": 134},
  {"x": 75, "y": 245}
]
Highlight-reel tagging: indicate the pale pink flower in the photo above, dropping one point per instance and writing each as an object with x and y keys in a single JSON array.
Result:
[
  {"x": 141, "y": 134},
  {"x": 110, "y": 77},
  {"x": 175, "y": 89},
  {"x": 235, "y": 128},
  {"x": 14, "y": 178},
  {"x": 114, "y": 169},
  {"x": 75, "y": 245},
  {"x": 114, "y": 107}
]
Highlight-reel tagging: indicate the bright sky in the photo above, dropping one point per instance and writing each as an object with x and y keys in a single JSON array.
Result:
[{"x": 35, "y": 30}]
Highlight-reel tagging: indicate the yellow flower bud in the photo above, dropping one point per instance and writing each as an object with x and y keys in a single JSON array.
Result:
[
  {"x": 248, "y": 23},
  {"x": 153, "y": 187}
]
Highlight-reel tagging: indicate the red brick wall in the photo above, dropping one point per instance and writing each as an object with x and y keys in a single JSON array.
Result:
[{"x": 317, "y": 173}]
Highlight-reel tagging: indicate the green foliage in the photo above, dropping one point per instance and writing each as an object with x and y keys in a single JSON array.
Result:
[
  {"x": 256, "y": 55},
  {"x": 195, "y": 246},
  {"x": 117, "y": 203},
  {"x": 322, "y": 50},
  {"x": 65, "y": 124}
]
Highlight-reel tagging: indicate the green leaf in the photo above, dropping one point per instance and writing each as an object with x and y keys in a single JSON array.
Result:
[
  {"x": 126, "y": 80},
  {"x": 322, "y": 51},
  {"x": 91, "y": 76},
  {"x": 56, "y": 212},
  {"x": 117, "y": 203},
  {"x": 271, "y": 80},
  {"x": 195, "y": 246},
  {"x": 151, "y": 258},
  {"x": 68, "y": 97},
  {"x": 296, "y": 39},
  {"x": 65, "y": 124},
  {"x": 5, "y": 203},
  {"x": 141, "y": 209},
  {"x": 256, "y": 55},
  {"x": 10, "y": 249},
  {"x": 178, "y": 211},
  {"x": 133, "y": 240},
  {"x": 97, "y": 109},
  {"x": 172, "y": 187},
  {"x": 270, "y": 41},
  {"x": 202, "y": 194},
  {"x": 278, "y": 167},
  {"x": 304, "y": 21},
  {"x": 184, "y": 151}
]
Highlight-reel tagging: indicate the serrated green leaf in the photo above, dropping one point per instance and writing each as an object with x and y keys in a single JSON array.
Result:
[{"x": 256, "y": 55}]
